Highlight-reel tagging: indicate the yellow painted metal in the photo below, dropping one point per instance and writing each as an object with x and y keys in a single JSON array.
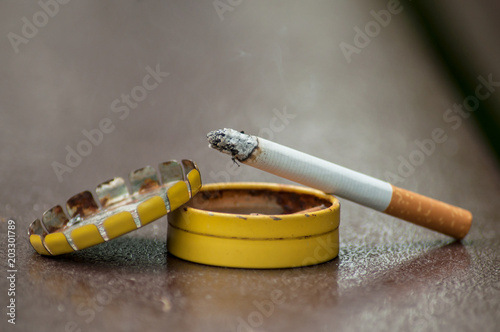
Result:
[
  {"x": 178, "y": 194},
  {"x": 194, "y": 179},
  {"x": 259, "y": 226},
  {"x": 151, "y": 209},
  {"x": 256, "y": 241},
  {"x": 86, "y": 236},
  {"x": 119, "y": 224},
  {"x": 57, "y": 244},
  {"x": 36, "y": 242},
  {"x": 120, "y": 211},
  {"x": 258, "y": 254}
]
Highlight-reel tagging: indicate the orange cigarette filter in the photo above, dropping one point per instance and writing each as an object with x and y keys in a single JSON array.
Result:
[{"x": 430, "y": 213}]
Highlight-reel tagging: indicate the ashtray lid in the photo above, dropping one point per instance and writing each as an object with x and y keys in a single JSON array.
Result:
[{"x": 119, "y": 211}]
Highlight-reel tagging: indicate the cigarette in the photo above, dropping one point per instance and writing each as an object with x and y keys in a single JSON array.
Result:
[{"x": 334, "y": 179}]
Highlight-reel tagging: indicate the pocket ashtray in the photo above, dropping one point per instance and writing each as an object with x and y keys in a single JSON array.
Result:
[{"x": 256, "y": 225}]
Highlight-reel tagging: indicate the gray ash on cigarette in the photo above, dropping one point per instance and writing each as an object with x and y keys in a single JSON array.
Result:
[{"x": 240, "y": 146}]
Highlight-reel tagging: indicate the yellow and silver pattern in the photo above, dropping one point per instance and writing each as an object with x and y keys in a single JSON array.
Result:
[{"x": 87, "y": 224}]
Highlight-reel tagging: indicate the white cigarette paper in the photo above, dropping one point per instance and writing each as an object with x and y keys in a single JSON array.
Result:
[{"x": 334, "y": 179}]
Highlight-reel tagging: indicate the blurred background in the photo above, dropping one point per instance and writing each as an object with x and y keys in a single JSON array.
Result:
[
  {"x": 234, "y": 66},
  {"x": 92, "y": 90}
]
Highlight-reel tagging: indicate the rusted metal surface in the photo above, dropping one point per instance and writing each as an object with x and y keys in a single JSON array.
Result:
[{"x": 81, "y": 205}]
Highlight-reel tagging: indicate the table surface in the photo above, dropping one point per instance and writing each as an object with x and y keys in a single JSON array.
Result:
[{"x": 276, "y": 70}]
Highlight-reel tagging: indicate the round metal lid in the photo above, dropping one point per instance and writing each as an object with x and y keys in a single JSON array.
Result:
[{"x": 119, "y": 211}]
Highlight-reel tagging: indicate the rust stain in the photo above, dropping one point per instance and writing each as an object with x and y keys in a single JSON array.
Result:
[
  {"x": 54, "y": 219},
  {"x": 290, "y": 202},
  {"x": 212, "y": 194},
  {"x": 82, "y": 204},
  {"x": 104, "y": 200},
  {"x": 148, "y": 184}
]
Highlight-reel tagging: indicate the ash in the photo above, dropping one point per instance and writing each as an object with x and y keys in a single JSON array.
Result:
[{"x": 240, "y": 146}]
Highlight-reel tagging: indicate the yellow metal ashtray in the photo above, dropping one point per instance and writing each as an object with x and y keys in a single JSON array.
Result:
[
  {"x": 256, "y": 225},
  {"x": 119, "y": 211}
]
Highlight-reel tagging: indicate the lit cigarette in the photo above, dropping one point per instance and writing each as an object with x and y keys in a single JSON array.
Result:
[{"x": 334, "y": 179}]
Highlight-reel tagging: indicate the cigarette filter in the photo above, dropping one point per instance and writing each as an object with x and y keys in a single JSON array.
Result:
[
  {"x": 334, "y": 179},
  {"x": 87, "y": 224}
]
